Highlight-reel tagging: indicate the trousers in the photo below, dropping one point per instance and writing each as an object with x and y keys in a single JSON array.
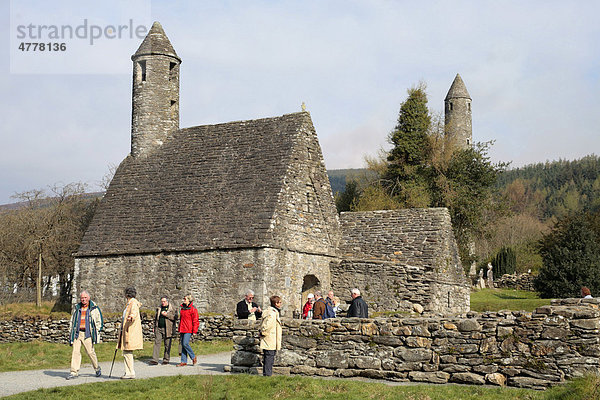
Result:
[
  {"x": 268, "y": 361},
  {"x": 76, "y": 355},
  {"x": 160, "y": 336}
]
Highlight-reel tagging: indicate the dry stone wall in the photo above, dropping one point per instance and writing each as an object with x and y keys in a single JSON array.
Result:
[
  {"x": 57, "y": 330},
  {"x": 515, "y": 281},
  {"x": 520, "y": 349}
]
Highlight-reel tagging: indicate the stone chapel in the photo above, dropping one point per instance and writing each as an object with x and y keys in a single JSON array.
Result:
[{"x": 214, "y": 210}]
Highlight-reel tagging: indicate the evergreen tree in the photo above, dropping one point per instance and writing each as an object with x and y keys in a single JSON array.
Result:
[
  {"x": 405, "y": 172},
  {"x": 504, "y": 262},
  {"x": 346, "y": 200},
  {"x": 571, "y": 258}
]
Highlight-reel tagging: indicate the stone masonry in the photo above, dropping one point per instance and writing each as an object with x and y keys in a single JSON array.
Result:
[
  {"x": 457, "y": 113},
  {"x": 413, "y": 255},
  {"x": 57, "y": 330},
  {"x": 216, "y": 279},
  {"x": 155, "y": 94},
  {"x": 515, "y": 281},
  {"x": 520, "y": 349}
]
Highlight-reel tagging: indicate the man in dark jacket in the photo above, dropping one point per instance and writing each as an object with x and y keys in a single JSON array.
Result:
[
  {"x": 358, "y": 307},
  {"x": 164, "y": 330},
  {"x": 247, "y": 308}
]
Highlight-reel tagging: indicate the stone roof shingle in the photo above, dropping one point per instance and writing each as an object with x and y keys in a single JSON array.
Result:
[{"x": 206, "y": 187}]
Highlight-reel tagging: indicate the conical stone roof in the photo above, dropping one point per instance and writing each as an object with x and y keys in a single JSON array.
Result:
[
  {"x": 458, "y": 90},
  {"x": 156, "y": 42}
]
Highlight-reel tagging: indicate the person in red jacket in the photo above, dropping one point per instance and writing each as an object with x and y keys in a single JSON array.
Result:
[
  {"x": 307, "y": 310},
  {"x": 188, "y": 325}
]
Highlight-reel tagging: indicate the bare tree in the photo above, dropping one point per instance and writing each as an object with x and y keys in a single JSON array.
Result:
[{"x": 37, "y": 241}]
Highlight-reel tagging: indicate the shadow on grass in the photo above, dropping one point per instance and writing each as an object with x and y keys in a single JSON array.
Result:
[{"x": 507, "y": 296}]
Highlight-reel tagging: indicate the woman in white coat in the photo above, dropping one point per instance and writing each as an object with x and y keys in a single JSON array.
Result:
[{"x": 270, "y": 334}]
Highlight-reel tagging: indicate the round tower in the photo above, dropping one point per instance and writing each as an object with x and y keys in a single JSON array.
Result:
[
  {"x": 457, "y": 112},
  {"x": 155, "y": 98}
]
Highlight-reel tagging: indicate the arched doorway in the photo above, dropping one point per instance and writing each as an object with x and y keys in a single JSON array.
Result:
[{"x": 310, "y": 284}]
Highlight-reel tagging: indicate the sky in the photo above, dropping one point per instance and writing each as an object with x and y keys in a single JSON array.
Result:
[{"x": 532, "y": 69}]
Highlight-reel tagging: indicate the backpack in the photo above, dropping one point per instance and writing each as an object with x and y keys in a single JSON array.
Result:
[{"x": 329, "y": 313}]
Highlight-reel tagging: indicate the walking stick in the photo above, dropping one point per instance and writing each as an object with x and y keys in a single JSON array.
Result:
[{"x": 115, "y": 356}]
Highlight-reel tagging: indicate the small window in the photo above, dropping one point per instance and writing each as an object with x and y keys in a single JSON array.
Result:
[
  {"x": 468, "y": 142},
  {"x": 469, "y": 106},
  {"x": 141, "y": 71},
  {"x": 172, "y": 71}
]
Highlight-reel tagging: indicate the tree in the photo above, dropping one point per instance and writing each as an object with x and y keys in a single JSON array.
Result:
[
  {"x": 405, "y": 172},
  {"x": 346, "y": 200},
  {"x": 504, "y": 262},
  {"x": 46, "y": 228},
  {"x": 571, "y": 257},
  {"x": 375, "y": 197},
  {"x": 465, "y": 185}
]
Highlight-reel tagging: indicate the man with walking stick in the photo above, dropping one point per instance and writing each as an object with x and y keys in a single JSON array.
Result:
[{"x": 84, "y": 327}]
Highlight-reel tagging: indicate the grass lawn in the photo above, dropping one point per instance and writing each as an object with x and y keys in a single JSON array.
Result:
[
  {"x": 244, "y": 386},
  {"x": 48, "y": 309},
  {"x": 505, "y": 299},
  {"x": 20, "y": 356},
  {"x": 257, "y": 387}
]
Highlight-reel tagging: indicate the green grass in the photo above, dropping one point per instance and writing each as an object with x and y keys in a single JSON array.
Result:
[
  {"x": 20, "y": 356},
  {"x": 48, "y": 309},
  {"x": 244, "y": 386},
  {"x": 278, "y": 387},
  {"x": 506, "y": 299}
]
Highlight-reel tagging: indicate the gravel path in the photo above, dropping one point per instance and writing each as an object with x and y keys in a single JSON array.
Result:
[{"x": 24, "y": 381}]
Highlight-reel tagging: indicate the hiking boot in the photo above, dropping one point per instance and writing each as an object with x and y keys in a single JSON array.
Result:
[
  {"x": 195, "y": 360},
  {"x": 181, "y": 365},
  {"x": 128, "y": 377},
  {"x": 152, "y": 362},
  {"x": 99, "y": 372},
  {"x": 72, "y": 376},
  {"x": 165, "y": 363}
]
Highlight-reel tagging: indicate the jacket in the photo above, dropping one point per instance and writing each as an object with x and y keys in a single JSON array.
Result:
[
  {"x": 308, "y": 306},
  {"x": 131, "y": 331},
  {"x": 241, "y": 310},
  {"x": 95, "y": 322},
  {"x": 188, "y": 320},
  {"x": 170, "y": 325},
  {"x": 319, "y": 309},
  {"x": 358, "y": 308},
  {"x": 270, "y": 330}
]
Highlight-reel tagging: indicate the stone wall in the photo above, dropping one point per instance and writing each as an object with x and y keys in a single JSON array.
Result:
[
  {"x": 531, "y": 350},
  {"x": 515, "y": 281},
  {"x": 57, "y": 330},
  {"x": 216, "y": 279},
  {"x": 402, "y": 260}
]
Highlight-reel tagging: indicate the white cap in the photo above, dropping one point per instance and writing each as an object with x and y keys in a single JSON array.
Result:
[{"x": 310, "y": 295}]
